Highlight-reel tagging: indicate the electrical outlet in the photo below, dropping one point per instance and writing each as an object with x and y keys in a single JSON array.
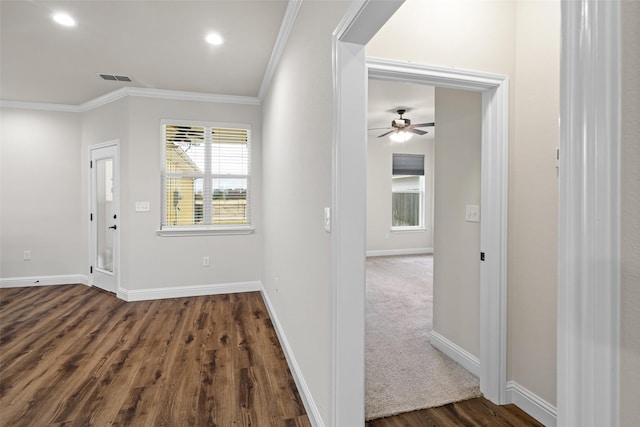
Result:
[
  {"x": 143, "y": 207},
  {"x": 205, "y": 261},
  {"x": 27, "y": 255}
]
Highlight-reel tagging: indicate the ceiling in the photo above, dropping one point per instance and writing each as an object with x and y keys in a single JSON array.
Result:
[
  {"x": 385, "y": 97},
  {"x": 159, "y": 44}
]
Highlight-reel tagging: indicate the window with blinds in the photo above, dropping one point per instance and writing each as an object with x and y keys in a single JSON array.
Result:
[
  {"x": 206, "y": 176},
  {"x": 407, "y": 192}
]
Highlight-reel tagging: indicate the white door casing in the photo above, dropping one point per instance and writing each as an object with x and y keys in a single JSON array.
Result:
[
  {"x": 493, "y": 221},
  {"x": 104, "y": 213},
  {"x": 349, "y": 201}
]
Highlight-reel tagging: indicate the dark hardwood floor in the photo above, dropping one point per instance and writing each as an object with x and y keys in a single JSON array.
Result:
[
  {"x": 473, "y": 412},
  {"x": 73, "y": 355}
]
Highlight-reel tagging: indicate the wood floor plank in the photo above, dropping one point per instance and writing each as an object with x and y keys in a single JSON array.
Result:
[
  {"x": 73, "y": 355},
  {"x": 473, "y": 412}
]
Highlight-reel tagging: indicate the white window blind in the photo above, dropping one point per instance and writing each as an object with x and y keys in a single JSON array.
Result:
[{"x": 206, "y": 176}]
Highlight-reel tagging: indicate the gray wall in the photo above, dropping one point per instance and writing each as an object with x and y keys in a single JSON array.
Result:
[
  {"x": 297, "y": 170},
  {"x": 41, "y": 205},
  {"x": 630, "y": 226},
  {"x": 456, "y": 256},
  {"x": 380, "y": 238},
  {"x": 45, "y": 181}
]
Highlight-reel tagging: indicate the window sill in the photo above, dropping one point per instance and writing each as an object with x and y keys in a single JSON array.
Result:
[
  {"x": 227, "y": 231},
  {"x": 408, "y": 229}
]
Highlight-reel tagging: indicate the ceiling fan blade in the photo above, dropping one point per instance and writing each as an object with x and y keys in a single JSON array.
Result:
[
  {"x": 379, "y": 128},
  {"x": 417, "y": 131},
  {"x": 421, "y": 125},
  {"x": 385, "y": 134}
]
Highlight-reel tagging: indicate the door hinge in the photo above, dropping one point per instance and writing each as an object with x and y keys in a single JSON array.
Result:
[
  {"x": 90, "y": 164},
  {"x": 90, "y": 217},
  {"x": 481, "y": 256},
  {"x": 91, "y": 269}
]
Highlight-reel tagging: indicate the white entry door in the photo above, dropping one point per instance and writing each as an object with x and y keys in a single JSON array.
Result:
[{"x": 104, "y": 216}]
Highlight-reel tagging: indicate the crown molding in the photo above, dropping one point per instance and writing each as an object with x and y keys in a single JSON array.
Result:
[
  {"x": 136, "y": 92},
  {"x": 283, "y": 35},
  {"x": 67, "y": 108}
]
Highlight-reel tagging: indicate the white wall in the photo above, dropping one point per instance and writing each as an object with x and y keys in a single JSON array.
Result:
[
  {"x": 519, "y": 39},
  {"x": 380, "y": 238},
  {"x": 106, "y": 123},
  {"x": 533, "y": 200},
  {"x": 152, "y": 261},
  {"x": 456, "y": 256},
  {"x": 45, "y": 178},
  {"x": 40, "y": 199},
  {"x": 630, "y": 226},
  {"x": 297, "y": 168}
]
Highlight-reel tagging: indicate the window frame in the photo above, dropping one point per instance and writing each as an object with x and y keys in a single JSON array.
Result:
[{"x": 208, "y": 175}]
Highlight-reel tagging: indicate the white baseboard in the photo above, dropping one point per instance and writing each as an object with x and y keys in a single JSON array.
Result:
[
  {"x": 187, "y": 291},
  {"x": 394, "y": 252},
  {"x": 532, "y": 404},
  {"x": 23, "y": 282},
  {"x": 461, "y": 356},
  {"x": 303, "y": 389}
]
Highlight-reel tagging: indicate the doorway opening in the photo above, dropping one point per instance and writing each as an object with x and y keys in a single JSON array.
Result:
[
  {"x": 409, "y": 364},
  {"x": 348, "y": 237}
]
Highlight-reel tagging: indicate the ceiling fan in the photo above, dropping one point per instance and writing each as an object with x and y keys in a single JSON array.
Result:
[{"x": 401, "y": 127}]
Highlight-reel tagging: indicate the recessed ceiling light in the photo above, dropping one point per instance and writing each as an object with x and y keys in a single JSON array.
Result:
[
  {"x": 65, "y": 19},
  {"x": 214, "y": 39}
]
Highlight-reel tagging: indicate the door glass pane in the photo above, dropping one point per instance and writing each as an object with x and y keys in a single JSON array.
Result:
[{"x": 104, "y": 214}]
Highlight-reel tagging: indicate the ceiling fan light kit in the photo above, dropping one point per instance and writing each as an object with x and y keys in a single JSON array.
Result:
[
  {"x": 400, "y": 136},
  {"x": 402, "y": 129}
]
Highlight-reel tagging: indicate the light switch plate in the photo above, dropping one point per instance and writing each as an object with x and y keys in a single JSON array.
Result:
[
  {"x": 142, "y": 207},
  {"x": 473, "y": 213},
  {"x": 327, "y": 220}
]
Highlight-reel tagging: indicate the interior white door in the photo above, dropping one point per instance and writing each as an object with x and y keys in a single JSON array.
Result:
[{"x": 105, "y": 233}]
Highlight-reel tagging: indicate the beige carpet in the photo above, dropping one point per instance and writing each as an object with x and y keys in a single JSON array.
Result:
[{"x": 403, "y": 371}]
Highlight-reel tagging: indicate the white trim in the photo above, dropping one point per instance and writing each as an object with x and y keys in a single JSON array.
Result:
[
  {"x": 348, "y": 236},
  {"x": 532, "y": 404},
  {"x": 446, "y": 77},
  {"x": 182, "y": 232},
  {"x": 303, "y": 389},
  {"x": 589, "y": 215},
  {"x": 32, "y": 281},
  {"x": 65, "y": 108},
  {"x": 187, "y": 291},
  {"x": 293, "y": 7},
  {"x": 458, "y": 354},
  {"x": 134, "y": 91},
  {"x": 494, "y": 181},
  {"x": 394, "y": 252}
]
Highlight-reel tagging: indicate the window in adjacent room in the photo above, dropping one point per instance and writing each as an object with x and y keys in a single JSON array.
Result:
[
  {"x": 407, "y": 192},
  {"x": 205, "y": 176}
]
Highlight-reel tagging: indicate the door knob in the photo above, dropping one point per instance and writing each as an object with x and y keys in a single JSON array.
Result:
[{"x": 113, "y": 227}]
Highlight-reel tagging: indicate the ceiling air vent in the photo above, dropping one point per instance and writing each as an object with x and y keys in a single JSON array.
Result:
[{"x": 115, "y": 78}]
